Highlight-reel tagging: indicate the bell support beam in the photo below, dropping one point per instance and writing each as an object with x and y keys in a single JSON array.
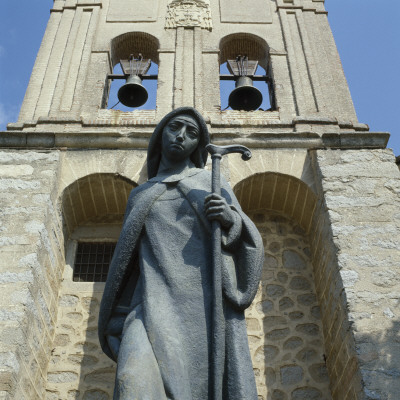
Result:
[
  {"x": 121, "y": 76},
  {"x": 227, "y": 77}
]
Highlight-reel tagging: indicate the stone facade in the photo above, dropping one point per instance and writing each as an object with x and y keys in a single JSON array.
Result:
[
  {"x": 31, "y": 266},
  {"x": 362, "y": 193},
  {"x": 321, "y": 188}
]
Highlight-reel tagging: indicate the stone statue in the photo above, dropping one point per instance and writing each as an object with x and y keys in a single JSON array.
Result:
[{"x": 155, "y": 315}]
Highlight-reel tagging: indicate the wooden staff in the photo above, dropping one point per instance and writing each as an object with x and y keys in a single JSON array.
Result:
[{"x": 218, "y": 320}]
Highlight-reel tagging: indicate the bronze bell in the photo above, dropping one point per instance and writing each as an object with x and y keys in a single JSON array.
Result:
[
  {"x": 245, "y": 96},
  {"x": 133, "y": 93}
]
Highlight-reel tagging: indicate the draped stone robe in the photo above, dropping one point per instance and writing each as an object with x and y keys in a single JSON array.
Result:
[{"x": 160, "y": 287}]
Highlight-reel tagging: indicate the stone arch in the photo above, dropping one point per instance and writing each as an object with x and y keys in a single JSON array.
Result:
[
  {"x": 95, "y": 198},
  {"x": 280, "y": 193},
  {"x": 285, "y": 326},
  {"x": 295, "y": 163},
  {"x": 255, "y": 47},
  {"x": 134, "y": 42}
]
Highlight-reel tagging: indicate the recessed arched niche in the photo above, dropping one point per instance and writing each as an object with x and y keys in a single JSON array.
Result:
[
  {"x": 92, "y": 208},
  {"x": 284, "y": 323}
]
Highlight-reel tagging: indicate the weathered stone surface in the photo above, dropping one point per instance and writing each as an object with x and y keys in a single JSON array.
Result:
[
  {"x": 270, "y": 376},
  {"x": 83, "y": 359},
  {"x": 278, "y": 395},
  {"x": 290, "y": 242},
  {"x": 295, "y": 315},
  {"x": 95, "y": 395},
  {"x": 282, "y": 277},
  {"x": 274, "y": 247},
  {"x": 316, "y": 312},
  {"x": 306, "y": 393},
  {"x": 306, "y": 355},
  {"x": 69, "y": 301},
  {"x": 252, "y": 324},
  {"x": 291, "y": 374},
  {"x": 105, "y": 375},
  {"x": 273, "y": 321},
  {"x": 85, "y": 347},
  {"x": 89, "y": 304},
  {"x": 319, "y": 373},
  {"x": 51, "y": 395},
  {"x": 278, "y": 334},
  {"x": 73, "y": 394},
  {"x": 61, "y": 340},
  {"x": 264, "y": 306},
  {"x": 293, "y": 343},
  {"x": 285, "y": 303},
  {"x": 275, "y": 291},
  {"x": 74, "y": 316},
  {"x": 266, "y": 353},
  {"x": 293, "y": 260},
  {"x": 299, "y": 283},
  {"x": 349, "y": 278},
  {"x": 386, "y": 278},
  {"x": 309, "y": 329},
  {"x": 307, "y": 299},
  {"x": 62, "y": 377}
]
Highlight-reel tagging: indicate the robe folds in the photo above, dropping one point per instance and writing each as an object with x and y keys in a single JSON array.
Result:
[{"x": 159, "y": 291}]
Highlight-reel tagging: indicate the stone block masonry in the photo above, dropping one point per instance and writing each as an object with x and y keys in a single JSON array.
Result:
[
  {"x": 362, "y": 198},
  {"x": 32, "y": 249}
]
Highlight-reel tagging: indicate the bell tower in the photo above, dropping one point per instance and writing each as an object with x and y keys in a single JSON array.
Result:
[{"x": 322, "y": 189}]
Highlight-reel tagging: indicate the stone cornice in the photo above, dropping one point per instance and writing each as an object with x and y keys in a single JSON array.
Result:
[{"x": 131, "y": 140}]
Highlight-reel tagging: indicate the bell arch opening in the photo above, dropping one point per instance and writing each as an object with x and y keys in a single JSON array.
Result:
[
  {"x": 136, "y": 46},
  {"x": 285, "y": 326},
  {"x": 251, "y": 49}
]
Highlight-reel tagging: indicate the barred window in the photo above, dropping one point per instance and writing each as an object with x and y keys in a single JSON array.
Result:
[{"x": 92, "y": 261}]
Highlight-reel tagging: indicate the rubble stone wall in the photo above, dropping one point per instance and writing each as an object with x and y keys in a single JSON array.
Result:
[
  {"x": 284, "y": 322},
  {"x": 284, "y": 327}
]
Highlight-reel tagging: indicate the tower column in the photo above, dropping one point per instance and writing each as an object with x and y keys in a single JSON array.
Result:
[
  {"x": 184, "y": 67},
  {"x": 39, "y": 70}
]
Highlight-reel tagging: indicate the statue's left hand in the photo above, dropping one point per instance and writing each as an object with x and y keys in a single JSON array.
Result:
[{"x": 216, "y": 208}]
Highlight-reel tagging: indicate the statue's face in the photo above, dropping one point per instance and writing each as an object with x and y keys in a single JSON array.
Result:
[{"x": 180, "y": 137}]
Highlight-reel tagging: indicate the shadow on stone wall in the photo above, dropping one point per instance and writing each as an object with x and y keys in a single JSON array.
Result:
[
  {"x": 97, "y": 371},
  {"x": 379, "y": 356},
  {"x": 78, "y": 368},
  {"x": 284, "y": 321}
]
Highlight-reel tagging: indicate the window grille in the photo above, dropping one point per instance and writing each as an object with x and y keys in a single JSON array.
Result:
[{"x": 92, "y": 261}]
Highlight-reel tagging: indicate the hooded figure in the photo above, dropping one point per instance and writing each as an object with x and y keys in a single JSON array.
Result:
[{"x": 156, "y": 312}]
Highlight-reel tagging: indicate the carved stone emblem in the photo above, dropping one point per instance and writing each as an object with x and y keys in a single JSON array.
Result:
[{"x": 189, "y": 13}]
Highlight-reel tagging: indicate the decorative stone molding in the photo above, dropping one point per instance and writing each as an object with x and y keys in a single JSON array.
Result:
[{"x": 189, "y": 13}]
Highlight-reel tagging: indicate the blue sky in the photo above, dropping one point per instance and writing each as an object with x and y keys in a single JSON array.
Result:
[{"x": 367, "y": 34}]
